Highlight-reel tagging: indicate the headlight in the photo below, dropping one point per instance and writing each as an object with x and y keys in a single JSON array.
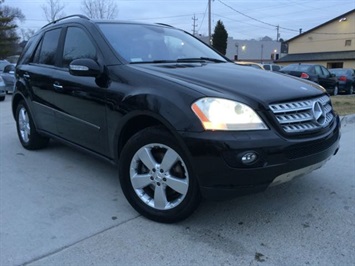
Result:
[{"x": 222, "y": 114}]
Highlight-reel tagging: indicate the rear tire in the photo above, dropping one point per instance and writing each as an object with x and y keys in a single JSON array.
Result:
[
  {"x": 351, "y": 90},
  {"x": 2, "y": 98},
  {"x": 156, "y": 177},
  {"x": 27, "y": 133},
  {"x": 336, "y": 90}
]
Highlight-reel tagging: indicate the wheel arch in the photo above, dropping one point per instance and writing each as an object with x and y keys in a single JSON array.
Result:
[
  {"x": 15, "y": 101},
  {"x": 139, "y": 122}
]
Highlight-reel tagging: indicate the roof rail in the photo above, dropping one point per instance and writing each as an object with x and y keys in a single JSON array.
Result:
[
  {"x": 163, "y": 24},
  {"x": 57, "y": 20}
]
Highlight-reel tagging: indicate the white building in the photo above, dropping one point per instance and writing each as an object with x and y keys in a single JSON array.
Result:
[{"x": 251, "y": 50}]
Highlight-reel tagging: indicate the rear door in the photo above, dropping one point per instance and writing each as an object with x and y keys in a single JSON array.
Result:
[{"x": 38, "y": 75}]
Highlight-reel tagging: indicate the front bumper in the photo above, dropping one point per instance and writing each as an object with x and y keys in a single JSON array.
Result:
[{"x": 216, "y": 159}]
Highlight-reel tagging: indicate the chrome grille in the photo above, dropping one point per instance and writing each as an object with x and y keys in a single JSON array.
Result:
[{"x": 301, "y": 116}]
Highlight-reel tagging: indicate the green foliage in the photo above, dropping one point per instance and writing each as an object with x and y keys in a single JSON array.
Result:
[
  {"x": 8, "y": 35},
  {"x": 219, "y": 38}
]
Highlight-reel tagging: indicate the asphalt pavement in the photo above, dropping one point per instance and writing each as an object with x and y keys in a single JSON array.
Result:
[{"x": 59, "y": 206}]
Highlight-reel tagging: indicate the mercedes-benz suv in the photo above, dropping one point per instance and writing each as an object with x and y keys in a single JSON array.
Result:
[{"x": 180, "y": 120}]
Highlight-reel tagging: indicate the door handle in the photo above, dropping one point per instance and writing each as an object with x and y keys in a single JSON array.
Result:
[{"x": 57, "y": 87}]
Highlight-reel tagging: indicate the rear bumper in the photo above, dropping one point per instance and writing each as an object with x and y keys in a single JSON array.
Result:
[
  {"x": 344, "y": 86},
  {"x": 216, "y": 159}
]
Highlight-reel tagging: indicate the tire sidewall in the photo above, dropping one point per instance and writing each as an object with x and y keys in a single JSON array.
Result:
[
  {"x": 36, "y": 141},
  {"x": 191, "y": 199},
  {"x": 19, "y": 107}
]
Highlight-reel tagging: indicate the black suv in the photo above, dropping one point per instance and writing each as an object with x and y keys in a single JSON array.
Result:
[{"x": 181, "y": 121}]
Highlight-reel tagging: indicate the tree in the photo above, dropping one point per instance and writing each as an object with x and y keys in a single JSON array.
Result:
[
  {"x": 219, "y": 38},
  {"x": 266, "y": 39},
  {"x": 27, "y": 34},
  {"x": 100, "y": 9},
  {"x": 53, "y": 10},
  {"x": 9, "y": 16}
]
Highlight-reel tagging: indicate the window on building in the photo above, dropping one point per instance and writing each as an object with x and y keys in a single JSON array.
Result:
[
  {"x": 335, "y": 65},
  {"x": 347, "y": 42}
]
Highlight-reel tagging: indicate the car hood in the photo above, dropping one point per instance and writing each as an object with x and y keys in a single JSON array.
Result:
[{"x": 229, "y": 80}]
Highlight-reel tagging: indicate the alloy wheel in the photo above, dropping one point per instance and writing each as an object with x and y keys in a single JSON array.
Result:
[
  {"x": 159, "y": 176},
  {"x": 24, "y": 125}
]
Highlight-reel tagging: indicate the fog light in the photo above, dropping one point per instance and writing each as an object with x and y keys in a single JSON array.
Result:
[{"x": 249, "y": 157}]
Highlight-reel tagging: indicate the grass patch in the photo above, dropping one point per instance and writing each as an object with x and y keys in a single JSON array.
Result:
[{"x": 344, "y": 104}]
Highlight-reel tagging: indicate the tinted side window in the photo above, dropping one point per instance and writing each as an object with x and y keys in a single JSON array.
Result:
[
  {"x": 266, "y": 67},
  {"x": 325, "y": 72},
  {"x": 49, "y": 47},
  {"x": 318, "y": 70},
  {"x": 276, "y": 68},
  {"x": 77, "y": 45}
]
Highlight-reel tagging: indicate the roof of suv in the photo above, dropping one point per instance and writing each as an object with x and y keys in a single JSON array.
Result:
[{"x": 81, "y": 18}]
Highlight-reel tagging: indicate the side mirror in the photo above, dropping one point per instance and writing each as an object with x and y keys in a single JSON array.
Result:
[
  {"x": 85, "y": 67},
  {"x": 9, "y": 69}
]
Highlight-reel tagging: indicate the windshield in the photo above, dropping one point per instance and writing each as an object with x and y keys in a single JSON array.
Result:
[
  {"x": 296, "y": 67},
  {"x": 340, "y": 72},
  {"x": 139, "y": 43}
]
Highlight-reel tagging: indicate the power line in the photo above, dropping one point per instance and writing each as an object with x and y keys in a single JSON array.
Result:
[
  {"x": 279, "y": 27},
  {"x": 258, "y": 20},
  {"x": 204, "y": 15}
]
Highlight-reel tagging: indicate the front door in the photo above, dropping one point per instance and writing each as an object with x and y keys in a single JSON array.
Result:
[{"x": 80, "y": 101}]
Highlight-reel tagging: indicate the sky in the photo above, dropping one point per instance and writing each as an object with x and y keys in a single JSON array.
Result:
[{"x": 243, "y": 19}]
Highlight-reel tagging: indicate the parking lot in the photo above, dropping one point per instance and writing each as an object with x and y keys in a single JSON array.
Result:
[{"x": 59, "y": 206}]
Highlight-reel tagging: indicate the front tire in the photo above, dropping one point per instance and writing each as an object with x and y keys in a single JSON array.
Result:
[
  {"x": 27, "y": 133},
  {"x": 156, "y": 177}
]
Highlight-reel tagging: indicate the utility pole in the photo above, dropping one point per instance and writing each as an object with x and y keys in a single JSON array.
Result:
[
  {"x": 194, "y": 25},
  {"x": 209, "y": 22},
  {"x": 277, "y": 34}
]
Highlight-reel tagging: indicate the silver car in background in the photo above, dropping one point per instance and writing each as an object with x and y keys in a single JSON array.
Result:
[
  {"x": 8, "y": 76},
  {"x": 2, "y": 89}
]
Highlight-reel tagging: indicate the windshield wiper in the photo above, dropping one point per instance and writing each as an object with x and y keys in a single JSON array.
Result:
[
  {"x": 182, "y": 60},
  {"x": 201, "y": 59},
  {"x": 153, "y": 62}
]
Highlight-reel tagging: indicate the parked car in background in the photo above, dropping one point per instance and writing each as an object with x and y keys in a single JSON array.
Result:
[
  {"x": 181, "y": 121},
  {"x": 346, "y": 79},
  {"x": 3, "y": 64},
  {"x": 13, "y": 59},
  {"x": 315, "y": 73},
  {"x": 250, "y": 64},
  {"x": 272, "y": 67},
  {"x": 2, "y": 89},
  {"x": 8, "y": 75}
]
